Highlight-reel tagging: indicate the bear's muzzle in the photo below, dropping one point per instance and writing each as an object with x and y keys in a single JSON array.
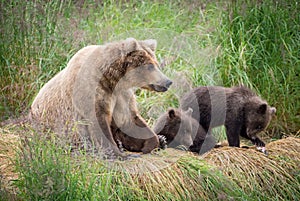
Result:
[{"x": 162, "y": 87}]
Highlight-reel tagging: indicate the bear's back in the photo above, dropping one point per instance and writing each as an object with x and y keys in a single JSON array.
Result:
[{"x": 213, "y": 105}]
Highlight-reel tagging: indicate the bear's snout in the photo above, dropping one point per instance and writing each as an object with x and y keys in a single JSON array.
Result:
[
  {"x": 168, "y": 83},
  {"x": 158, "y": 88},
  {"x": 162, "y": 87}
]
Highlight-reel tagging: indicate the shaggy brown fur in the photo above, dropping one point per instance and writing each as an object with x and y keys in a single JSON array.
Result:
[
  {"x": 96, "y": 87},
  {"x": 241, "y": 111},
  {"x": 179, "y": 128}
]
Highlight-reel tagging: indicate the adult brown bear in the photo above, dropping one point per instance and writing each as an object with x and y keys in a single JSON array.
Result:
[
  {"x": 238, "y": 108},
  {"x": 95, "y": 89}
]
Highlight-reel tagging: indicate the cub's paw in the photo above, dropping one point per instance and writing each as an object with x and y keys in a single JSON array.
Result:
[
  {"x": 120, "y": 146},
  {"x": 258, "y": 142},
  {"x": 162, "y": 141},
  {"x": 263, "y": 150},
  {"x": 194, "y": 148}
]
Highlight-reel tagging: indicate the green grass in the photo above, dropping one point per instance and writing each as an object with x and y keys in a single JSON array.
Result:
[
  {"x": 201, "y": 43},
  {"x": 260, "y": 43},
  {"x": 212, "y": 43},
  {"x": 49, "y": 172}
]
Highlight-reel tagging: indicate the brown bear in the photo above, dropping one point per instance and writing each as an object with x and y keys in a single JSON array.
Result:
[
  {"x": 95, "y": 88},
  {"x": 238, "y": 108},
  {"x": 179, "y": 128},
  {"x": 133, "y": 144}
]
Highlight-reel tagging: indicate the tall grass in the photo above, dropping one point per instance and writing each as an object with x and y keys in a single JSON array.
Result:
[
  {"x": 32, "y": 50},
  {"x": 222, "y": 43},
  {"x": 260, "y": 47}
]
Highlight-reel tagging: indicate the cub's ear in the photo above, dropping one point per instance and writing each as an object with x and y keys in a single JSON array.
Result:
[
  {"x": 262, "y": 108},
  {"x": 189, "y": 112},
  {"x": 151, "y": 43},
  {"x": 130, "y": 44},
  {"x": 171, "y": 113},
  {"x": 272, "y": 110}
]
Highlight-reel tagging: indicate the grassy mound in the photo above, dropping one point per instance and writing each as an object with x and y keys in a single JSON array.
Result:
[
  {"x": 44, "y": 171},
  {"x": 272, "y": 176}
]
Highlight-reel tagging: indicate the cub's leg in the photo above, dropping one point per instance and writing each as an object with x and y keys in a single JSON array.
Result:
[{"x": 233, "y": 134}]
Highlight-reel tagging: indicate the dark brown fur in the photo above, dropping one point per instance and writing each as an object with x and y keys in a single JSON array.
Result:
[
  {"x": 180, "y": 128},
  {"x": 238, "y": 108},
  {"x": 133, "y": 142}
]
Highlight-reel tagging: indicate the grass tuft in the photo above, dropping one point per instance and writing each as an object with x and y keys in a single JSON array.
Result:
[{"x": 260, "y": 175}]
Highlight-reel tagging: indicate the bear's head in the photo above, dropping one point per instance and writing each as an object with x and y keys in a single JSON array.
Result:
[
  {"x": 258, "y": 115},
  {"x": 177, "y": 126},
  {"x": 141, "y": 67}
]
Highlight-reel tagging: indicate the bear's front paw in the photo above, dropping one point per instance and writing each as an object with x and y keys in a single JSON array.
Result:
[
  {"x": 120, "y": 146},
  {"x": 258, "y": 142},
  {"x": 194, "y": 148},
  {"x": 263, "y": 150},
  {"x": 162, "y": 141}
]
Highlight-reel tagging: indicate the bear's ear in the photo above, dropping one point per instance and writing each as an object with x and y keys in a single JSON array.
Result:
[
  {"x": 262, "y": 108},
  {"x": 130, "y": 44},
  {"x": 151, "y": 43},
  {"x": 171, "y": 113},
  {"x": 189, "y": 112},
  {"x": 272, "y": 110}
]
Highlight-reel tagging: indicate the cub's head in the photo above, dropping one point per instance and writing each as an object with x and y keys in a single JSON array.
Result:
[
  {"x": 177, "y": 126},
  {"x": 142, "y": 68},
  {"x": 258, "y": 115}
]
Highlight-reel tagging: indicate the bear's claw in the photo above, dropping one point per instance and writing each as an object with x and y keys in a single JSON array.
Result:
[
  {"x": 120, "y": 145},
  {"x": 162, "y": 141},
  {"x": 263, "y": 150}
]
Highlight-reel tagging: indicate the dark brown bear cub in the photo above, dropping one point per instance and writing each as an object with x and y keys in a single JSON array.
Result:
[
  {"x": 133, "y": 142},
  {"x": 179, "y": 128},
  {"x": 238, "y": 108}
]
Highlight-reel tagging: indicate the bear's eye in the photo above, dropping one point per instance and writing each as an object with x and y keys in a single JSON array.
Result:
[
  {"x": 150, "y": 67},
  {"x": 259, "y": 127}
]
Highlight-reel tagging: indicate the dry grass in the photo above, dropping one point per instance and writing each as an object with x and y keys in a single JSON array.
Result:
[
  {"x": 174, "y": 174},
  {"x": 257, "y": 173},
  {"x": 220, "y": 174},
  {"x": 8, "y": 144}
]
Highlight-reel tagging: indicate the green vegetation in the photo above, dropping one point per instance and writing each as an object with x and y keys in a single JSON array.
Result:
[
  {"x": 220, "y": 43},
  {"x": 226, "y": 43},
  {"x": 49, "y": 172},
  {"x": 260, "y": 47}
]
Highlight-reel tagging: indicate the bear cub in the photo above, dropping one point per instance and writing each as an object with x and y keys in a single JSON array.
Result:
[
  {"x": 238, "y": 108},
  {"x": 179, "y": 128},
  {"x": 130, "y": 143}
]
